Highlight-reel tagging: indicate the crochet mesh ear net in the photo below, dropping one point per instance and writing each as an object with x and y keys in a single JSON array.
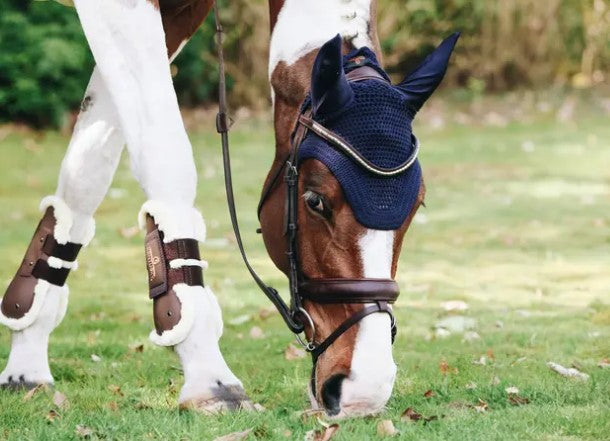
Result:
[{"x": 377, "y": 123}]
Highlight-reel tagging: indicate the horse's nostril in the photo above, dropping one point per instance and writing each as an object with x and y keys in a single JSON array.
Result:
[{"x": 331, "y": 394}]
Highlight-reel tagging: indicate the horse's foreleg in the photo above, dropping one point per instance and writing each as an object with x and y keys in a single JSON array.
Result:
[
  {"x": 37, "y": 298},
  {"x": 128, "y": 43}
]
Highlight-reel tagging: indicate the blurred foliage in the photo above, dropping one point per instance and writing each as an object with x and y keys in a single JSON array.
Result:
[{"x": 45, "y": 62}]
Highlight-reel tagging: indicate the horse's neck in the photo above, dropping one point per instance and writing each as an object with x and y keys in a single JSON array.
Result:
[{"x": 298, "y": 29}]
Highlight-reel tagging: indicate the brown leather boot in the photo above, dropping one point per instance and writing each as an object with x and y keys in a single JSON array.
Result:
[
  {"x": 163, "y": 275},
  {"x": 42, "y": 261}
]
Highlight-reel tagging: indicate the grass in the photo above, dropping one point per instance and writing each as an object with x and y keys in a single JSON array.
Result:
[{"x": 516, "y": 225}]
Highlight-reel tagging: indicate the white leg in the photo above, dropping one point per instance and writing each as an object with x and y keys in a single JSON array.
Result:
[
  {"x": 86, "y": 174},
  {"x": 128, "y": 43}
]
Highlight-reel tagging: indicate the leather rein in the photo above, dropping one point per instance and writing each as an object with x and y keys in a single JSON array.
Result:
[{"x": 375, "y": 294}]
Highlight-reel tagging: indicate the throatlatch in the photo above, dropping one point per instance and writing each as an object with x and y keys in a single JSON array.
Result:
[{"x": 171, "y": 266}]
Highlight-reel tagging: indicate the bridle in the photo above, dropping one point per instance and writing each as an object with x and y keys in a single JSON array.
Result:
[{"x": 376, "y": 294}]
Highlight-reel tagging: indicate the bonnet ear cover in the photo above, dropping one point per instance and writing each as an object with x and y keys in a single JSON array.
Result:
[
  {"x": 419, "y": 84},
  {"x": 330, "y": 90}
]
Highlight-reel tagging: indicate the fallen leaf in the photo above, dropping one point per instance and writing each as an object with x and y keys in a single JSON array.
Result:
[
  {"x": 256, "y": 333},
  {"x": 460, "y": 405},
  {"x": 490, "y": 354},
  {"x": 410, "y": 415},
  {"x": 471, "y": 336},
  {"x": 481, "y": 361},
  {"x": 454, "y": 305},
  {"x": 605, "y": 363},
  {"x": 97, "y": 316},
  {"x": 129, "y": 232},
  {"x": 33, "y": 391},
  {"x": 136, "y": 347},
  {"x": 309, "y": 414},
  {"x": 52, "y": 416},
  {"x": 240, "y": 320},
  {"x": 265, "y": 313},
  {"x": 567, "y": 372},
  {"x": 60, "y": 400},
  {"x": 446, "y": 369},
  {"x": 456, "y": 324},
  {"x": 577, "y": 365},
  {"x": 294, "y": 353},
  {"x": 83, "y": 431},
  {"x": 96, "y": 358},
  {"x": 429, "y": 393},
  {"x": 235, "y": 436},
  {"x": 115, "y": 389},
  {"x": 92, "y": 338},
  {"x": 385, "y": 428},
  {"x": 441, "y": 333},
  {"x": 322, "y": 435},
  {"x": 431, "y": 418},
  {"x": 113, "y": 406},
  {"x": 481, "y": 406},
  {"x": 512, "y": 390},
  {"x": 520, "y": 360},
  {"x": 517, "y": 400}
]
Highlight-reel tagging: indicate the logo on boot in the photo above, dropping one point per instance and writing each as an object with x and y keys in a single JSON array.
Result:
[{"x": 152, "y": 261}]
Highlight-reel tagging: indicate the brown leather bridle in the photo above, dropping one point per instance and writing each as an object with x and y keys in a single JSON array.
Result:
[{"x": 377, "y": 294}]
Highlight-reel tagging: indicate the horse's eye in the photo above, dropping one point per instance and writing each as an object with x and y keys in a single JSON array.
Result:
[{"x": 315, "y": 202}]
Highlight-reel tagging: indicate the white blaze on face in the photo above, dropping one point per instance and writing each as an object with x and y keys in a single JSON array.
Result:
[
  {"x": 303, "y": 26},
  {"x": 369, "y": 385}
]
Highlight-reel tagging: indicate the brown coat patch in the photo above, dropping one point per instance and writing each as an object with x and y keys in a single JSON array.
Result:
[{"x": 181, "y": 18}]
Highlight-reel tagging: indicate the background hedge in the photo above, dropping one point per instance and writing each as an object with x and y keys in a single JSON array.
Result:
[{"x": 45, "y": 62}]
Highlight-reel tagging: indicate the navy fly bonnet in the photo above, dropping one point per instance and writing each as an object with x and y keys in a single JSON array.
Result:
[{"x": 375, "y": 117}]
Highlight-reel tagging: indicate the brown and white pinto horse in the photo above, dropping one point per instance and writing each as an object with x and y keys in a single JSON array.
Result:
[{"x": 130, "y": 100}]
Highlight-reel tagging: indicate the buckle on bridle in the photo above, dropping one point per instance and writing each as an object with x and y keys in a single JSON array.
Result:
[{"x": 291, "y": 175}]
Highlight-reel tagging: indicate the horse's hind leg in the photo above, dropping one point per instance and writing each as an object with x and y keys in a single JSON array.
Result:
[
  {"x": 128, "y": 42},
  {"x": 37, "y": 298}
]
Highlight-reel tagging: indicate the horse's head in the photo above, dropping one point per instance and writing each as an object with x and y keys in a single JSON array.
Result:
[{"x": 353, "y": 212}]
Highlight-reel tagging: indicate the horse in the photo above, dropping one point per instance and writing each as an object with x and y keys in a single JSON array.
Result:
[
  {"x": 342, "y": 190},
  {"x": 340, "y": 238}
]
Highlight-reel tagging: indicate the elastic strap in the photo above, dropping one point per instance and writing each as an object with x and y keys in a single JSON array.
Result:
[
  {"x": 55, "y": 276},
  {"x": 67, "y": 252}
]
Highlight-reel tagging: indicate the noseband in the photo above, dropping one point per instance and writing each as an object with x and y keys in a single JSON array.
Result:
[{"x": 375, "y": 294}]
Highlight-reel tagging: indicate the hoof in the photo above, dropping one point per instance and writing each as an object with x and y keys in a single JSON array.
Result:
[
  {"x": 221, "y": 399},
  {"x": 20, "y": 383}
]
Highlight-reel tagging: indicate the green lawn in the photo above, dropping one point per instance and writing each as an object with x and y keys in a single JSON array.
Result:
[{"x": 516, "y": 225}]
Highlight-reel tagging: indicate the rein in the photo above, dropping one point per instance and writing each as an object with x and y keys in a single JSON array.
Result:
[{"x": 375, "y": 294}]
